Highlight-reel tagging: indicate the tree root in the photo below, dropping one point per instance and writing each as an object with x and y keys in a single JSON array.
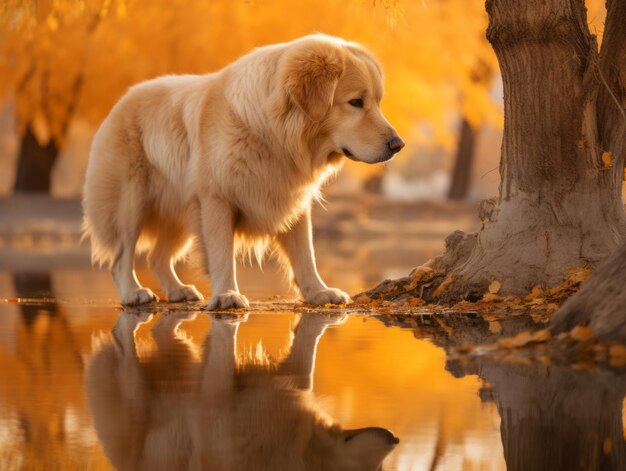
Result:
[{"x": 436, "y": 283}]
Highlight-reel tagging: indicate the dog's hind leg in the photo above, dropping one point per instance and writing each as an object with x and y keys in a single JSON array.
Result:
[
  {"x": 171, "y": 241},
  {"x": 123, "y": 269}
]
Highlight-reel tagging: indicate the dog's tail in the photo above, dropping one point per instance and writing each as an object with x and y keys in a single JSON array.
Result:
[{"x": 100, "y": 254}]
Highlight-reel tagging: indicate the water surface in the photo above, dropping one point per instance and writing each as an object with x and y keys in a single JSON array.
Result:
[{"x": 80, "y": 391}]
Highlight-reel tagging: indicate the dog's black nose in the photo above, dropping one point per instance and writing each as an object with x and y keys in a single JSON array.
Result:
[{"x": 395, "y": 145}]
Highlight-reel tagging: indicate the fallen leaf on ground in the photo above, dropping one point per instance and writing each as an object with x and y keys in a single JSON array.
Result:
[
  {"x": 577, "y": 275},
  {"x": 444, "y": 284},
  {"x": 495, "y": 286},
  {"x": 535, "y": 292},
  {"x": 422, "y": 273},
  {"x": 490, "y": 297},
  {"x": 552, "y": 308}
]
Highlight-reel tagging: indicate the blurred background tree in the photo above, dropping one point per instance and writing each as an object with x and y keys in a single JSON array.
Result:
[{"x": 68, "y": 61}]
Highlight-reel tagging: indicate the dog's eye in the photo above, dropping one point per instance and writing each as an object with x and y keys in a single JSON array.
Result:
[{"x": 357, "y": 103}]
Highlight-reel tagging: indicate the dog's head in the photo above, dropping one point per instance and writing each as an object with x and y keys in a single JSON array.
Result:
[{"x": 338, "y": 86}]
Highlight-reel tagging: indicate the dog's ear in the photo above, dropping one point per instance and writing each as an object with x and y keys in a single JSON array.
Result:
[{"x": 310, "y": 76}]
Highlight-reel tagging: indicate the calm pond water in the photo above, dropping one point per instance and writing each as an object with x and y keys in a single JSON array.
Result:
[{"x": 88, "y": 386}]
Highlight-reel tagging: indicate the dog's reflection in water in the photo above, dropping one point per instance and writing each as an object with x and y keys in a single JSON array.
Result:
[{"x": 168, "y": 406}]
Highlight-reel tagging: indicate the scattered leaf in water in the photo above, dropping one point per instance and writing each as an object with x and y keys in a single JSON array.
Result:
[
  {"x": 617, "y": 355},
  {"x": 543, "y": 359},
  {"x": 607, "y": 159},
  {"x": 495, "y": 327},
  {"x": 607, "y": 446},
  {"x": 581, "y": 333},
  {"x": 519, "y": 340},
  {"x": 524, "y": 338},
  {"x": 541, "y": 335}
]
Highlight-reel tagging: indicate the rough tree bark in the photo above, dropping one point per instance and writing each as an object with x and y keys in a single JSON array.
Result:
[
  {"x": 560, "y": 203},
  {"x": 35, "y": 164},
  {"x": 579, "y": 414},
  {"x": 462, "y": 173},
  {"x": 562, "y": 162},
  {"x": 600, "y": 303}
]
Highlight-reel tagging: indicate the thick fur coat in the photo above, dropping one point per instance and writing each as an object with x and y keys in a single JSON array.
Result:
[{"x": 232, "y": 159}]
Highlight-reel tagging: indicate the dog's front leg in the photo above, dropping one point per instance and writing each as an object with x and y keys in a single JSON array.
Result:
[
  {"x": 298, "y": 247},
  {"x": 300, "y": 362},
  {"x": 217, "y": 374},
  {"x": 217, "y": 236}
]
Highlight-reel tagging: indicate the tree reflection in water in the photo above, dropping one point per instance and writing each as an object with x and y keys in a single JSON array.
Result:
[{"x": 553, "y": 417}]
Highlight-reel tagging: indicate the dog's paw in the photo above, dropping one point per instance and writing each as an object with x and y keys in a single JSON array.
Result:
[
  {"x": 228, "y": 300},
  {"x": 184, "y": 293},
  {"x": 321, "y": 319},
  {"x": 230, "y": 319},
  {"x": 141, "y": 296},
  {"x": 328, "y": 296}
]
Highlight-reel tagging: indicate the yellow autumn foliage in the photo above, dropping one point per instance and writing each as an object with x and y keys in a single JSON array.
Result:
[{"x": 63, "y": 59}]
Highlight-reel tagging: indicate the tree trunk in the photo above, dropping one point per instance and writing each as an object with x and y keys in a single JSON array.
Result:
[
  {"x": 463, "y": 162},
  {"x": 562, "y": 161},
  {"x": 600, "y": 303},
  {"x": 35, "y": 163},
  {"x": 554, "y": 417}
]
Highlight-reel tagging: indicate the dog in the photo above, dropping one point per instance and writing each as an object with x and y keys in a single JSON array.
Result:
[
  {"x": 232, "y": 159},
  {"x": 169, "y": 406}
]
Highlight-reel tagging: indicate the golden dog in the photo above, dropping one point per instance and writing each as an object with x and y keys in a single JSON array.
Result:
[{"x": 233, "y": 159}]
